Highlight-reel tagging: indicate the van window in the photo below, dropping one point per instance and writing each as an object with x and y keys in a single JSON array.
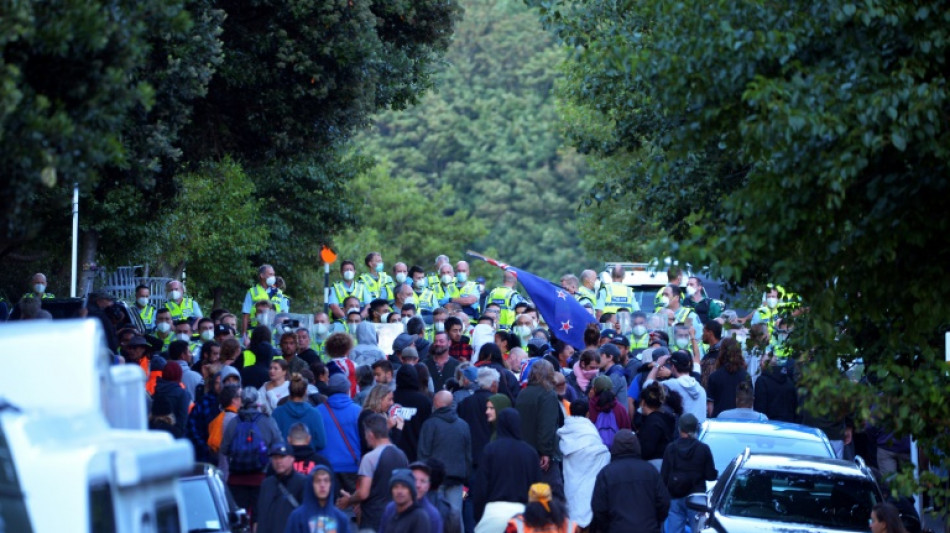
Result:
[
  {"x": 166, "y": 517},
  {"x": 101, "y": 512},
  {"x": 13, "y": 514}
]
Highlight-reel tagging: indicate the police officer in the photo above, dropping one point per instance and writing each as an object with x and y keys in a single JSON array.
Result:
[
  {"x": 423, "y": 297},
  {"x": 180, "y": 307},
  {"x": 681, "y": 313},
  {"x": 38, "y": 287},
  {"x": 768, "y": 313},
  {"x": 433, "y": 278},
  {"x": 615, "y": 295},
  {"x": 586, "y": 294},
  {"x": 265, "y": 289},
  {"x": 506, "y": 297},
  {"x": 675, "y": 276},
  {"x": 145, "y": 309},
  {"x": 350, "y": 286},
  {"x": 468, "y": 290},
  {"x": 705, "y": 308},
  {"x": 377, "y": 281}
]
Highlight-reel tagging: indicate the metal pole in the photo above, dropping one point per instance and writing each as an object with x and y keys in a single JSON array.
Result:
[
  {"x": 326, "y": 287},
  {"x": 72, "y": 284}
]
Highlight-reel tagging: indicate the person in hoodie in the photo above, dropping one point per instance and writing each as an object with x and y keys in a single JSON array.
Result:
[
  {"x": 490, "y": 356},
  {"x": 687, "y": 465},
  {"x": 178, "y": 354},
  {"x": 366, "y": 352},
  {"x": 422, "y": 474},
  {"x": 540, "y": 417},
  {"x": 340, "y": 415},
  {"x": 584, "y": 455},
  {"x": 257, "y": 374},
  {"x": 305, "y": 459},
  {"x": 417, "y": 327},
  {"x": 408, "y": 516},
  {"x": 298, "y": 409},
  {"x": 601, "y": 401},
  {"x": 317, "y": 508},
  {"x": 775, "y": 393},
  {"x": 447, "y": 438},
  {"x": 281, "y": 492},
  {"x": 629, "y": 494},
  {"x": 169, "y": 390},
  {"x": 693, "y": 394},
  {"x": 418, "y": 406},
  {"x": 508, "y": 468},
  {"x": 657, "y": 426}
]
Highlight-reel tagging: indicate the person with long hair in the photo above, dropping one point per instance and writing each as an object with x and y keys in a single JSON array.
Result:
[
  {"x": 721, "y": 389},
  {"x": 278, "y": 387},
  {"x": 885, "y": 518},
  {"x": 379, "y": 401},
  {"x": 542, "y": 513},
  {"x": 603, "y": 403},
  {"x": 658, "y": 426}
]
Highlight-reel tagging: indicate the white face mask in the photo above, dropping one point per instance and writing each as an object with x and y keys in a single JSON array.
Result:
[
  {"x": 348, "y": 275},
  {"x": 664, "y": 301},
  {"x": 446, "y": 279},
  {"x": 400, "y": 277},
  {"x": 184, "y": 337},
  {"x": 163, "y": 327},
  {"x": 462, "y": 277},
  {"x": 690, "y": 290},
  {"x": 352, "y": 310},
  {"x": 270, "y": 281},
  {"x": 639, "y": 330},
  {"x": 39, "y": 288},
  {"x": 682, "y": 342},
  {"x": 771, "y": 302},
  {"x": 481, "y": 287},
  {"x": 207, "y": 335},
  {"x": 421, "y": 283},
  {"x": 439, "y": 326},
  {"x": 405, "y": 320},
  {"x": 142, "y": 302},
  {"x": 321, "y": 329},
  {"x": 522, "y": 331},
  {"x": 174, "y": 295}
]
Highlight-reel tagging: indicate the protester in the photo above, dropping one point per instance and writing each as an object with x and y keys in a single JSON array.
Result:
[
  {"x": 687, "y": 466},
  {"x": 280, "y": 493},
  {"x": 408, "y": 515},
  {"x": 658, "y": 426},
  {"x": 299, "y": 410},
  {"x": 629, "y": 494},
  {"x": 317, "y": 509},
  {"x": 508, "y": 468},
  {"x": 605, "y": 411},
  {"x": 278, "y": 387},
  {"x": 721, "y": 389},
  {"x": 417, "y": 406},
  {"x": 340, "y": 415},
  {"x": 447, "y": 438},
  {"x": 584, "y": 455},
  {"x": 542, "y": 513}
]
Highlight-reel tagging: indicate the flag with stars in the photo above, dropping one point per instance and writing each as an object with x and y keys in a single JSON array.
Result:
[{"x": 564, "y": 316}]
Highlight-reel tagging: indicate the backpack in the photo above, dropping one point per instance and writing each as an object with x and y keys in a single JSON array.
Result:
[
  {"x": 248, "y": 449},
  {"x": 606, "y": 425},
  {"x": 681, "y": 481}
]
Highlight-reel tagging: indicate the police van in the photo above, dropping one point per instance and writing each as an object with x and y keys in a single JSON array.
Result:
[
  {"x": 644, "y": 278},
  {"x": 76, "y": 455}
]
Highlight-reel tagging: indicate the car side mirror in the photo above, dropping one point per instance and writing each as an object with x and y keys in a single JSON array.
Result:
[
  {"x": 239, "y": 520},
  {"x": 698, "y": 502}
]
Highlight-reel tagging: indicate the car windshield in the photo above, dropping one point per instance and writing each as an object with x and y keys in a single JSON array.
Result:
[
  {"x": 726, "y": 446},
  {"x": 200, "y": 510},
  {"x": 813, "y": 497}
]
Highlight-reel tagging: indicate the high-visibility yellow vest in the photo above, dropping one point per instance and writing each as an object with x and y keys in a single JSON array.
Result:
[
  {"x": 259, "y": 293},
  {"x": 378, "y": 288},
  {"x": 342, "y": 293},
  {"x": 183, "y": 311},
  {"x": 424, "y": 300},
  {"x": 583, "y": 293},
  {"x": 440, "y": 291},
  {"x": 619, "y": 296},
  {"x": 503, "y": 296},
  {"x": 46, "y": 296},
  {"x": 642, "y": 342},
  {"x": 148, "y": 316}
]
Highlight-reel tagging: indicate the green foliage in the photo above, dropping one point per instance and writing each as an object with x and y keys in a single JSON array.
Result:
[
  {"x": 489, "y": 135},
  {"x": 801, "y": 143}
]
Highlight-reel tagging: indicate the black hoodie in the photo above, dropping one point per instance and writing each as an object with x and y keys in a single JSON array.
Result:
[
  {"x": 692, "y": 458},
  {"x": 656, "y": 431},
  {"x": 310, "y": 511},
  {"x": 775, "y": 395},
  {"x": 257, "y": 375},
  {"x": 628, "y": 493},
  {"x": 407, "y": 395},
  {"x": 508, "y": 467}
]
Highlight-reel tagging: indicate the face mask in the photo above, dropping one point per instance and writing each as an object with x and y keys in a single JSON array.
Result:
[
  {"x": 184, "y": 337},
  {"x": 352, "y": 310},
  {"x": 39, "y": 288},
  {"x": 771, "y": 302},
  {"x": 321, "y": 329},
  {"x": 781, "y": 336},
  {"x": 690, "y": 290},
  {"x": 597, "y": 285},
  {"x": 207, "y": 335},
  {"x": 142, "y": 302},
  {"x": 741, "y": 339},
  {"x": 348, "y": 275},
  {"x": 446, "y": 279},
  {"x": 351, "y": 326},
  {"x": 664, "y": 301},
  {"x": 522, "y": 331},
  {"x": 380, "y": 266},
  {"x": 174, "y": 295},
  {"x": 462, "y": 277},
  {"x": 163, "y": 327},
  {"x": 400, "y": 277},
  {"x": 405, "y": 320},
  {"x": 270, "y": 281},
  {"x": 639, "y": 330},
  {"x": 682, "y": 342},
  {"x": 481, "y": 288},
  {"x": 421, "y": 283},
  {"x": 439, "y": 326}
]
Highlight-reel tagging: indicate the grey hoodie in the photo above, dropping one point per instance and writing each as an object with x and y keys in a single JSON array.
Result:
[
  {"x": 694, "y": 395},
  {"x": 366, "y": 352}
]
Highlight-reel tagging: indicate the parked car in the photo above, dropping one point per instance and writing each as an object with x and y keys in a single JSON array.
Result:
[
  {"x": 209, "y": 506},
  {"x": 772, "y": 492},
  {"x": 729, "y": 437}
]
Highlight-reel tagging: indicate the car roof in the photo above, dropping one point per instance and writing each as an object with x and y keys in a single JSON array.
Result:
[
  {"x": 803, "y": 464},
  {"x": 782, "y": 430}
]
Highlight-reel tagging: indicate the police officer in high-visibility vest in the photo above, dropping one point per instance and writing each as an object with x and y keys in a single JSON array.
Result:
[
  {"x": 38, "y": 287},
  {"x": 377, "y": 281},
  {"x": 181, "y": 307},
  {"x": 468, "y": 290},
  {"x": 164, "y": 326},
  {"x": 433, "y": 278},
  {"x": 639, "y": 336},
  {"x": 265, "y": 289},
  {"x": 586, "y": 294},
  {"x": 506, "y": 298},
  {"x": 423, "y": 297},
  {"x": 768, "y": 313},
  {"x": 350, "y": 286},
  {"x": 681, "y": 314},
  {"x": 145, "y": 309},
  {"x": 615, "y": 295},
  {"x": 675, "y": 276},
  {"x": 321, "y": 330}
]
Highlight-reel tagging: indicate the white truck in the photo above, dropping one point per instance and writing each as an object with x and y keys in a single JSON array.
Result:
[{"x": 75, "y": 454}]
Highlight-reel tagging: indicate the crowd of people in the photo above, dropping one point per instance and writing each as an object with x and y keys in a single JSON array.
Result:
[{"x": 477, "y": 417}]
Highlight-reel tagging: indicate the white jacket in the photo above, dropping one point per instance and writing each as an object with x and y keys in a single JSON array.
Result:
[{"x": 584, "y": 456}]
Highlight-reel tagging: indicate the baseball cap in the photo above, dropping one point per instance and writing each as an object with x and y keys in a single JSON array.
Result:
[
  {"x": 620, "y": 340},
  {"x": 222, "y": 329},
  {"x": 681, "y": 360},
  {"x": 279, "y": 448}
]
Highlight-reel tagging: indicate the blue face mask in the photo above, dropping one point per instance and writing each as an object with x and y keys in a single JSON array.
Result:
[
  {"x": 462, "y": 277},
  {"x": 380, "y": 266}
]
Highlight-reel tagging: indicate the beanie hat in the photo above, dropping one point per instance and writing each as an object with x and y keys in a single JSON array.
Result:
[
  {"x": 500, "y": 401},
  {"x": 602, "y": 383},
  {"x": 404, "y": 475},
  {"x": 228, "y": 371},
  {"x": 172, "y": 371},
  {"x": 338, "y": 384}
]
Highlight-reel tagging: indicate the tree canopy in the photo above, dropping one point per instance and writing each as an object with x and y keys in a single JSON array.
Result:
[{"x": 801, "y": 143}]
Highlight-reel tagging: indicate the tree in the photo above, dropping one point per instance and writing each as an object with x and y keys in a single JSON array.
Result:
[{"x": 804, "y": 144}]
